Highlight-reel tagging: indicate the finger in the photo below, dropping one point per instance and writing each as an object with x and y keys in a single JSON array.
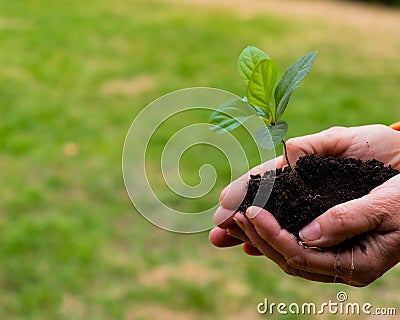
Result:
[
  {"x": 284, "y": 249},
  {"x": 352, "y": 218},
  {"x": 257, "y": 241},
  {"x": 232, "y": 196},
  {"x": 330, "y": 142},
  {"x": 223, "y": 217},
  {"x": 315, "y": 274},
  {"x": 250, "y": 250},
  {"x": 220, "y": 238},
  {"x": 236, "y": 232},
  {"x": 270, "y": 231}
]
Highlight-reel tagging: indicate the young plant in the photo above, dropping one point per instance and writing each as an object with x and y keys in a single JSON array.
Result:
[{"x": 268, "y": 100}]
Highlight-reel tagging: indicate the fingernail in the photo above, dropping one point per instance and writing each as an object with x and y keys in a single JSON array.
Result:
[
  {"x": 252, "y": 212},
  {"x": 311, "y": 231},
  {"x": 239, "y": 223}
]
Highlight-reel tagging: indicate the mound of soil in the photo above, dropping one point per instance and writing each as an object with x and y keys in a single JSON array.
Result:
[{"x": 314, "y": 185}]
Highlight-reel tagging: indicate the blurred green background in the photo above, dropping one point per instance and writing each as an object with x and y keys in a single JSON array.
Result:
[{"x": 73, "y": 76}]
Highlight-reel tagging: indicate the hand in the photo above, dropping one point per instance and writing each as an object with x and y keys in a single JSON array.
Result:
[{"x": 378, "y": 214}]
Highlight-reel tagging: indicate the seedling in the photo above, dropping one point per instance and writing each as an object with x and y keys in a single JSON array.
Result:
[{"x": 268, "y": 100}]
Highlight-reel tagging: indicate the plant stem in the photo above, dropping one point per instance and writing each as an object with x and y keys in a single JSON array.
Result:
[{"x": 286, "y": 156}]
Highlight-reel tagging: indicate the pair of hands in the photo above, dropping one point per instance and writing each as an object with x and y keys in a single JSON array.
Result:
[{"x": 377, "y": 215}]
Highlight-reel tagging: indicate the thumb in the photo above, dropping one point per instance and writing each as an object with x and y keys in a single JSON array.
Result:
[{"x": 342, "y": 222}]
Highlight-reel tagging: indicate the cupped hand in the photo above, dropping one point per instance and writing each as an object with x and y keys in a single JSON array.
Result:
[
  {"x": 366, "y": 142},
  {"x": 227, "y": 233},
  {"x": 376, "y": 214}
]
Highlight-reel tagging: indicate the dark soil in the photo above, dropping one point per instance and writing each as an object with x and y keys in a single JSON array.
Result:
[{"x": 315, "y": 185}]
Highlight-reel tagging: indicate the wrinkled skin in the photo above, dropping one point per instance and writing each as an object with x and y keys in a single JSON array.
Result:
[{"x": 377, "y": 215}]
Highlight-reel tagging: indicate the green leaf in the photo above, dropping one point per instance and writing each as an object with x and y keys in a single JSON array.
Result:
[
  {"x": 230, "y": 115},
  {"x": 261, "y": 85},
  {"x": 290, "y": 81},
  {"x": 268, "y": 137},
  {"x": 248, "y": 59},
  {"x": 260, "y": 111},
  {"x": 263, "y": 138}
]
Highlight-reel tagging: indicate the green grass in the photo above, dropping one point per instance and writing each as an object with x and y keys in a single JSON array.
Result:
[{"x": 71, "y": 244}]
